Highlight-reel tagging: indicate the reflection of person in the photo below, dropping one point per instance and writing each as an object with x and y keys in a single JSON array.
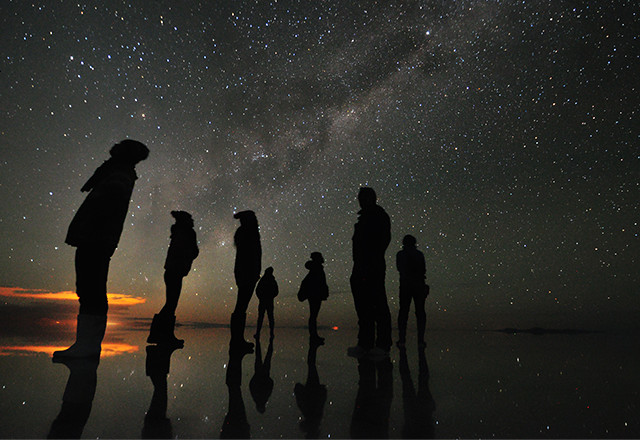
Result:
[
  {"x": 247, "y": 271},
  {"x": 373, "y": 401},
  {"x": 410, "y": 264},
  {"x": 418, "y": 407},
  {"x": 314, "y": 288},
  {"x": 266, "y": 291},
  {"x": 77, "y": 399},
  {"x": 183, "y": 249},
  {"x": 95, "y": 232},
  {"x": 235, "y": 424},
  {"x": 311, "y": 397},
  {"x": 372, "y": 234},
  {"x": 156, "y": 423},
  {"x": 261, "y": 384}
]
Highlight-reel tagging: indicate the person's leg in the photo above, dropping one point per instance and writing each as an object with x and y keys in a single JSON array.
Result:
[
  {"x": 360, "y": 288},
  {"x": 92, "y": 270},
  {"x": 421, "y": 315},
  {"x": 261, "y": 310},
  {"x": 173, "y": 287},
  {"x": 403, "y": 314},
  {"x": 239, "y": 317},
  {"x": 271, "y": 318}
]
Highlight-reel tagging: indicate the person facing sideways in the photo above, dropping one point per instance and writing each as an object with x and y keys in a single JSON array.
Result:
[
  {"x": 314, "y": 289},
  {"x": 266, "y": 291},
  {"x": 183, "y": 249},
  {"x": 247, "y": 271},
  {"x": 95, "y": 232},
  {"x": 410, "y": 265},
  {"x": 371, "y": 237}
]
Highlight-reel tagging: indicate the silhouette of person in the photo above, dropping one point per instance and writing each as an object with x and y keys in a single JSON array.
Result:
[
  {"x": 418, "y": 406},
  {"x": 247, "y": 271},
  {"x": 371, "y": 237},
  {"x": 261, "y": 384},
  {"x": 158, "y": 362},
  {"x": 77, "y": 399},
  {"x": 311, "y": 396},
  {"x": 410, "y": 265},
  {"x": 314, "y": 288},
  {"x": 183, "y": 249},
  {"x": 95, "y": 232},
  {"x": 235, "y": 424},
  {"x": 266, "y": 291},
  {"x": 373, "y": 400}
]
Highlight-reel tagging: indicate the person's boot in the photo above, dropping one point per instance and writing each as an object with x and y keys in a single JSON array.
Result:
[
  {"x": 155, "y": 333},
  {"x": 89, "y": 334},
  {"x": 238, "y": 343},
  {"x": 170, "y": 336}
]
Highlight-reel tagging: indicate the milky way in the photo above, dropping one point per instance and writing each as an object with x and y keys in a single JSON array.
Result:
[{"x": 503, "y": 135}]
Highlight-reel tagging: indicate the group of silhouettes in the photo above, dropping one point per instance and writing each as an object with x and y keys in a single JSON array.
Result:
[{"x": 95, "y": 232}]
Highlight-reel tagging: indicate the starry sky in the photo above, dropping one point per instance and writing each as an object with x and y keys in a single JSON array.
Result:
[{"x": 503, "y": 135}]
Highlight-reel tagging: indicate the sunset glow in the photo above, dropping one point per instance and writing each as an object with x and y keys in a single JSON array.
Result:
[
  {"x": 115, "y": 299},
  {"x": 108, "y": 349}
]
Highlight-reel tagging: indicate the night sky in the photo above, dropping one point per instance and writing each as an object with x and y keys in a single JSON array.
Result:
[{"x": 503, "y": 135}]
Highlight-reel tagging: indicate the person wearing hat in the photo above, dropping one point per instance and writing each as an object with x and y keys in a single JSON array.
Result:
[
  {"x": 314, "y": 288},
  {"x": 183, "y": 249},
  {"x": 411, "y": 267},
  {"x": 95, "y": 232},
  {"x": 266, "y": 291},
  {"x": 246, "y": 270}
]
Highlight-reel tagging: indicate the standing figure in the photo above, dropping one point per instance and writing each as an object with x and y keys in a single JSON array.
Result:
[
  {"x": 266, "y": 291},
  {"x": 314, "y": 288},
  {"x": 95, "y": 232},
  {"x": 410, "y": 264},
  {"x": 183, "y": 249},
  {"x": 372, "y": 234},
  {"x": 247, "y": 271}
]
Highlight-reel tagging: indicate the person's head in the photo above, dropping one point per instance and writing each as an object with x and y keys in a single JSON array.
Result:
[
  {"x": 182, "y": 218},
  {"x": 409, "y": 241},
  {"x": 317, "y": 257},
  {"x": 129, "y": 150},
  {"x": 367, "y": 197},
  {"x": 247, "y": 218},
  {"x": 268, "y": 271}
]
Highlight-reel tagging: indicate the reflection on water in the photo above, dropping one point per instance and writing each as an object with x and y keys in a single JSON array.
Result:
[
  {"x": 464, "y": 384},
  {"x": 108, "y": 349}
]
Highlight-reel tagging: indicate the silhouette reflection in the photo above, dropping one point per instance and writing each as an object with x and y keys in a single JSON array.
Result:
[
  {"x": 261, "y": 384},
  {"x": 373, "y": 401},
  {"x": 77, "y": 399},
  {"x": 418, "y": 407},
  {"x": 156, "y": 422},
  {"x": 311, "y": 397},
  {"x": 235, "y": 424}
]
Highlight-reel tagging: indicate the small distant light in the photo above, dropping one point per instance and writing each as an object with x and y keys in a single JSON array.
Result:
[{"x": 335, "y": 327}]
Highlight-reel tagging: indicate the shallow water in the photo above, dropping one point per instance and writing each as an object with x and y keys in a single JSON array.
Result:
[{"x": 469, "y": 384}]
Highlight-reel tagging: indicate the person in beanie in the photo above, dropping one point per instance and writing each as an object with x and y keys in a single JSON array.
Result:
[
  {"x": 314, "y": 288},
  {"x": 183, "y": 249},
  {"x": 246, "y": 270},
  {"x": 266, "y": 291},
  {"x": 410, "y": 265},
  {"x": 95, "y": 232}
]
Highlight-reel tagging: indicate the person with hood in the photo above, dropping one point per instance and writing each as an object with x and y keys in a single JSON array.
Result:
[
  {"x": 183, "y": 249},
  {"x": 266, "y": 291},
  {"x": 246, "y": 270},
  {"x": 95, "y": 232},
  {"x": 314, "y": 289},
  {"x": 410, "y": 265}
]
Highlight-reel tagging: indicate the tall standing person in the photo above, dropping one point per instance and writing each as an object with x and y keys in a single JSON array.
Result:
[
  {"x": 247, "y": 270},
  {"x": 371, "y": 237},
  {"x": 410, "y": 265},
  {"x": 95, "y": 232}
]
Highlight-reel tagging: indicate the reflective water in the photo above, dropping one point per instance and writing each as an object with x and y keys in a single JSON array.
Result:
[{"x": 467, "y": 384}]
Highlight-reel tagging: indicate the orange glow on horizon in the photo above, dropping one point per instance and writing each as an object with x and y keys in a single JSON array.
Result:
[
  {"x": 115, "y": 299},
  {"x": 109, "y": 349}
]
